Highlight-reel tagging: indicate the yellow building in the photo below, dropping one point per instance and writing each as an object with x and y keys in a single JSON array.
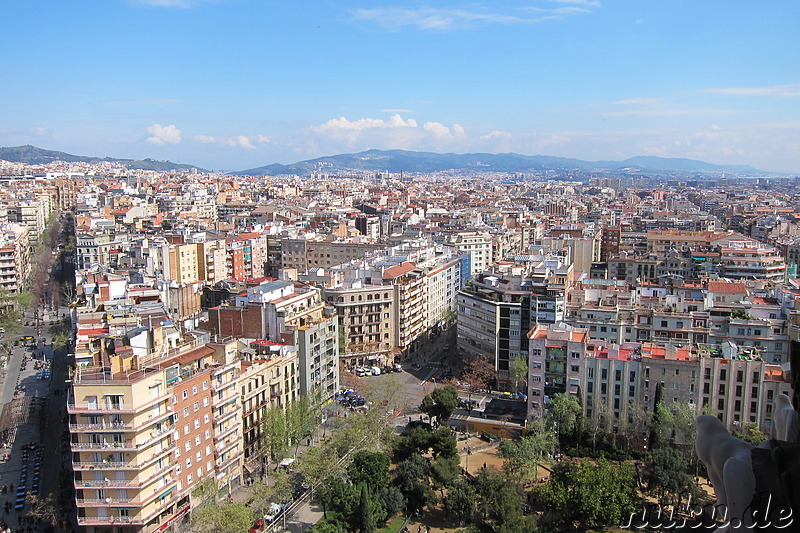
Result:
[{"x": 143, "y": 435}]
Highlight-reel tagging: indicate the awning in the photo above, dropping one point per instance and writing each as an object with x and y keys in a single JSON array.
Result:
[{"x": 166, "y": 492}]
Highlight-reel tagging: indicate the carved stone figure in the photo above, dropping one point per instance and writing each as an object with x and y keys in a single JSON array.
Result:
[
  {"x": 787, "y": 420},
  {"x": 730, "y": 469}
]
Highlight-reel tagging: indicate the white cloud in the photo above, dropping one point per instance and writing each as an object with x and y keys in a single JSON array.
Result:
[
  {"x": 431, "y": 18},
  {"x": 791, "y": 90},
  {"x": 495, "y": 134},
  {"x": 163, "y": 134},
  {"x": 244, "y": 142},
  {"x": 437, "y": 129},
  {"x": 349, "y": 131},
  {"x": 240, "y": 141}
]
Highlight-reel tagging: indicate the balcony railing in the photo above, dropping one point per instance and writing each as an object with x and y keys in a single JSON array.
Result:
[
  {"x": 101, "y": 427},
  {"x": 75, "y": 408},
  {"x": 123, "y": 446},
  {"x": 108, "y": 520}
]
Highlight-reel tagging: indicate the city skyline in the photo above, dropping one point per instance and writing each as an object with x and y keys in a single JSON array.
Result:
[{"x": 237, "y": 84}]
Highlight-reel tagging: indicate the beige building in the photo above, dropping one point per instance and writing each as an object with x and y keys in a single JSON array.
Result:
[{"x": 144, "y": 434}]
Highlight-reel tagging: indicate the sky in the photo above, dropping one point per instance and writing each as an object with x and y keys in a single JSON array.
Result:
[{"x": 236, "y": 84}]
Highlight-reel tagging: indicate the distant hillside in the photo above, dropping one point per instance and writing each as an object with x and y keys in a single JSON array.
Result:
[
  {"x": 422, "y": 162},
  {"x": 32, "y": 155}
]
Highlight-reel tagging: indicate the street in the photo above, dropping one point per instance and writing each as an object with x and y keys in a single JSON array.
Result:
[{"x": 29, "y": 416}]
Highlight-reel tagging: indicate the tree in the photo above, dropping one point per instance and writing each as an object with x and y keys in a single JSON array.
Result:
[
  {"x": 443, "y": 443},
  {"x": 275, "y": 433},
  {"x": 336, "y": 495},
  {"x": 277, "y": 491},
  {"x": 445, "y": 471},
  {"x": 667, "y": 473},
  {"x": 440, "y": 404},
  {"x": 522, "y": 456},
  {"x": 371, "y": 468},
  {"x": 500, "y": 505},
  {"x": 412, "y": 480},
  {"x": 479, "y": 375},
  {"x": 656, "y": 439},
  {"x": 636, "y": 423},
  {"x": 367, "y": 523},
  {"x": 599, "y": 423},
  {"x": 594, "y": 494},
  {"x": 316, "y": 464},
  {"x": 567, "y": 414},
  {"x": 43, "y": 508},
  {"x": 301, "y": 418},
  {"x": 518, "y": 371},
  {"x": 751, "y": 434},
  {"x": 223, "y": 518},
  {"x": 460, "y": 501}
]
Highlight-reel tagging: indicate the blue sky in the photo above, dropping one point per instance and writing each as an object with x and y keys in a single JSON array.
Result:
[{"x": 234, "y": 84}]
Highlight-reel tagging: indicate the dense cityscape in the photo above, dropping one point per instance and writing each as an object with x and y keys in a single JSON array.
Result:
[{"x": 192, "y": 351}]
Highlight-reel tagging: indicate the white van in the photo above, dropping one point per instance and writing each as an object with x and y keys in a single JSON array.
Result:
[{"x": 376, "y": 371}]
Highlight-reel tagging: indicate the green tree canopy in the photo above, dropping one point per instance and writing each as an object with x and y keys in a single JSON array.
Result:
[
  {"x": 460, "y": 501},
  {"x": 667, "y": 473},
  {"x": 593, "y": 494},
  {"x": 522, "y": 456},
  {"x": 371, "y": 468},
  {"x": 440, "y": 404},
  {"x": 567, "y": 414},
  {"x": 223, "y": 518}
]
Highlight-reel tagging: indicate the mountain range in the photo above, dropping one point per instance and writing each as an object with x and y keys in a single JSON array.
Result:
[
  {"x": 396, "y": 161},
  {"x": 32, "y": 155}
]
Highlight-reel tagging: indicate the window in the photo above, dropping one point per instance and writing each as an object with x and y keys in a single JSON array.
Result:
[
  {"x": 207, "y": 434},
  {"x": 185, "y": 412},
  {"x": 205, "y": 401},
  {"x": 174, "y": 399},
  {"x": 618, "y": 375},
  {"x": 186, "y": 429},
  {"x": 722, "y": 374},
  {"x": 574, "y": 368},
  {"x": 197, "y": 442},
  {"x": 205, "y": 418},
  {"x": 194, "y": 390},
  {"x": 196, "y": 423},
  {"x": 196, "y": 406},
  {"x": 205, "y": 385},
  {"x": 185, "y": 394}
]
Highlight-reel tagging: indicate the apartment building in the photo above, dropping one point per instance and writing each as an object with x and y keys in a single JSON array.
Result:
[
  {"x": 499, "y": 307},
  {"x": 749, "y": 259},
  {"x": 269, "y": 380},
  {"x": 386, "y": 304},
  {"x": 478, "y": 244},
  {"x": 555, "y": 363},
  {"x": 15, "y": 265},
  {"x": 289, "y": 313},
  {"x": 144, "y": 434},
  {"x": 323, "y": 251}
]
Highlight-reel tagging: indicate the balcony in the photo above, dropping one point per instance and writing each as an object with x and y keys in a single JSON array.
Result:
[
  {"x": 125, "y": 446},
  {"x": 108, "y": 520},
  {"x": 101, "y": 427},
  {"x": 105, "y": 483},
  {"x": 103, "y": 502},
  {"x": 104, "y": 465},
  {"x": 80, "y": 408}
]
